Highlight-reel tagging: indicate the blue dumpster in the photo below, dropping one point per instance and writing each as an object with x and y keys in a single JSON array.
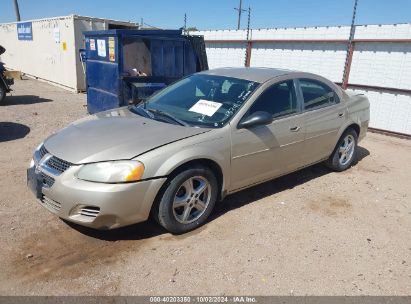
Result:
[{"x": 127, "y": 66}]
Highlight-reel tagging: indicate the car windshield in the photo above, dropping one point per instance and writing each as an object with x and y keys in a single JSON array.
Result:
[{"x": 199, "y": 100}]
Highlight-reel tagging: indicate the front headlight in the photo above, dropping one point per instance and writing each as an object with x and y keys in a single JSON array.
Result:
[{"x": 112, "y": 172}]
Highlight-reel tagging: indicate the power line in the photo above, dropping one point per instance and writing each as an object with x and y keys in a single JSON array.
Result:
[{"x": 152, "y": 26}]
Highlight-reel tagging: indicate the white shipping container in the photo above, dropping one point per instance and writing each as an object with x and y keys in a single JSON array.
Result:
[{"x": 53, "y": 52}]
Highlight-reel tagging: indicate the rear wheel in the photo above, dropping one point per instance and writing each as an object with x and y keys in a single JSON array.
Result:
[
  {"x": 2, "y": 93},
  {"x": 188, "y": 200},
  {"x": 345, "y": 153}
]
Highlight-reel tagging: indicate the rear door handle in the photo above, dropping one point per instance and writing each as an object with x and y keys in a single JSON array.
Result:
[
  {"x": 340, "y": 114},
  {"x": 295, "y": 129}
]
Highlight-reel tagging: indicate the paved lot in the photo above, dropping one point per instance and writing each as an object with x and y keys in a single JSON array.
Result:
[{"x": 314, "y": 232}]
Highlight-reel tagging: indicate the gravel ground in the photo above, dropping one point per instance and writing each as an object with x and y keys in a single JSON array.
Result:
[{"x": 313, "y": 232}]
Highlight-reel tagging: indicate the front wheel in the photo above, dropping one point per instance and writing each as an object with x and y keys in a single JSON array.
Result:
[
  {"x": 187, "y": 200},
  {"x": 345, "y": 153}
]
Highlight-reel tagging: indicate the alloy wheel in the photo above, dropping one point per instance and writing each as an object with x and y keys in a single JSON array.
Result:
[
  {"x": 346, "y": 150},
  {"x": 191, "y": 199}
]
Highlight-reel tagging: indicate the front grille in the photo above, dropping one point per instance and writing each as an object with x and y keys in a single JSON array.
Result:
[
  {"x": 43, "y": 151},
  {"x": 51, "y": 204},
  {"x": 58, "y": 164},
  {"x": 90, "y": 211},
  {"x": 47, "y": 180},
  {"x": 53, "y": 162}
]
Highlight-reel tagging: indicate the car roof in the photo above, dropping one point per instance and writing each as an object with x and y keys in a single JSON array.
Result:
[{"x": 253, "y": 74}]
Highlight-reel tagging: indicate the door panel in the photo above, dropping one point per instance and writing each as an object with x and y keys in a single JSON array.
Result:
[
  {"x": 264, "y": 152},
  {"x": 323, "y": 117},
  {"x": 267, "y": 151},
  {"x": 321, "y": 131}
]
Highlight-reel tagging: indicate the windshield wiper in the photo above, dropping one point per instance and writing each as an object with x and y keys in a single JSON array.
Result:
[
  {"x": 142, "y": 111},
  {"x": 165, "y": 114}
]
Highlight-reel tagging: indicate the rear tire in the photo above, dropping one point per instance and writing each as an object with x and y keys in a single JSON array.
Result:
[
  {"x": 2, "y": 93},
  {"x": 188, "y": 200},
  {"x": 345, "y": 152}
]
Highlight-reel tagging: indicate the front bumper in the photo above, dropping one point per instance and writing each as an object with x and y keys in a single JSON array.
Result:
[{"x": 95, "y": 205}]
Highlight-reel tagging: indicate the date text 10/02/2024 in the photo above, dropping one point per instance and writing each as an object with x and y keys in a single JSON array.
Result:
[{"x": 203, "y": 299}]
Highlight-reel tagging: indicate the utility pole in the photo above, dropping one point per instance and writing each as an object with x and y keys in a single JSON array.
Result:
[
  {"x": 185, "y": 23},
  {"x": 16, "y": 9},
  {"x": 350, "y": 48},
  {"x": 240, "y": 10}
]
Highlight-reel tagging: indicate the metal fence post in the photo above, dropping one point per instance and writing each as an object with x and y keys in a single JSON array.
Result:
[
  {"x": 249, "y": 42},
  {"x": 350, "y": 49}
]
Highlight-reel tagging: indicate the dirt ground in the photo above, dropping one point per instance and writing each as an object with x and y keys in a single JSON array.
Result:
[{"x": 314, "y": 232}]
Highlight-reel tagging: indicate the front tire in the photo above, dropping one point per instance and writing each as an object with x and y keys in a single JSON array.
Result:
[
  {"x": 345, "y": 153},
  {"x": 188, "y": 200}
]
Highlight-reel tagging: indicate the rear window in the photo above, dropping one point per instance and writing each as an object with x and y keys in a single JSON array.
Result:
[{"x": 317, "y": 94}]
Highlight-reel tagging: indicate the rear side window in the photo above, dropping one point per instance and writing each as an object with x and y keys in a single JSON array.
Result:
[
  {"x": 278, "y": 100},
  {"x": 317, "y": 94}
]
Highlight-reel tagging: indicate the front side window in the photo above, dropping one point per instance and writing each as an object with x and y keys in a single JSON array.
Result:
[
  {"x": 278, "y": 100},
  {"x": 316, "y": 94},
  {"x": 201, "y": 100}
]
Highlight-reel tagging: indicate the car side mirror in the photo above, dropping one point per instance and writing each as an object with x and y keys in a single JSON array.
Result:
[{"x": 256, "y": 119}]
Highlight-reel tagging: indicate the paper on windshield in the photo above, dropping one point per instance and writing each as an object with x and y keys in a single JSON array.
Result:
[{"x": 206, "y": 107}]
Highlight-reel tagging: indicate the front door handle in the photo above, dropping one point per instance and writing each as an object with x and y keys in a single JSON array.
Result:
[{"x": 294, "y": 129}]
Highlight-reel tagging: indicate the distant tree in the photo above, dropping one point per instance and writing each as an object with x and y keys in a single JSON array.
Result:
[{"x": 192, "y": 29}]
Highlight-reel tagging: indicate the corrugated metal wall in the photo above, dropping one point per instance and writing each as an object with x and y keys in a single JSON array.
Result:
[
  {"x": 326, "y": 59},
  {"x": 45, "y": 57},
  {"x": 389, "y": 111},
  {"x": 380, "y": 65},
  {"x": 42, "y": 57}
]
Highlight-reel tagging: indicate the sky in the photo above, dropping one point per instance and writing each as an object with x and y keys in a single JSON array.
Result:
[{"x": 218, "y": 14}]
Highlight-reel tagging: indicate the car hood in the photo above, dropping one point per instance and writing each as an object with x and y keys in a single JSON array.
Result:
[{"x": 113, "y": 135}]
